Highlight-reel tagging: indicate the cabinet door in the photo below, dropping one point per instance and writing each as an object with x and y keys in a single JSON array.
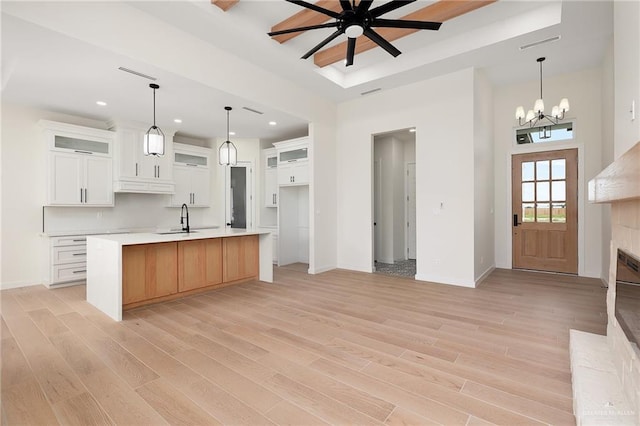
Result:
[
  {"x": 134, "y": 273},
  {"x": 149, "y": 271},
  {"x": 300, "y": 173},
  {"x": 182, "y": 179},
  {"x": 240, "y": 256},
  {"x": 271, "y": 188},
  {"x": 200, "y": 187},
  {"x": 162, "y": 269},
  {"x": 66, "y": 179},
  {"x": 199, "y": 264},
  {"x": 129, "y": 153},
  {"x": 98, "y": 181},
  {"x": 285, "y": 176}
]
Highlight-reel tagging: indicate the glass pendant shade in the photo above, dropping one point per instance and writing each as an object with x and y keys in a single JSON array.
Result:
[
  {"x": 154, "y": 142},
  {"x": 519, "y": 113},
  {"x": 228, "y": 154},
  {"x": 530, "y": 115},
  {"x": 564, "y": 105},
  {"x": 539, "y": 106},
  {"x": 555, "y": 112},
  {"x": 154, "y": 138}
]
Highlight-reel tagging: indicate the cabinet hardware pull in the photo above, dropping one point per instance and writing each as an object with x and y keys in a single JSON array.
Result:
[
  {"x": 79, "y": 241},
  {"x": 158, "y": 171},
  {"x": 81, "y": 201},
  {"x": 85, "y": 195},
  {"x": 192, "y": 165},
  {"x": 80, "y": 271},
  {"x": 136, "y": 169},
  {"x": 82, "y": 152},
  {"x": 79, "y": 254},
  {"x": 290, "y": 161}
]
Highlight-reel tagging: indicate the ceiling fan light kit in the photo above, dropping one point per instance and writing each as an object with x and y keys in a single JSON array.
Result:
[
  {"x": 154, "y": 138},
  {"x": 356, "y": 20},
  {"x": 536, "y": 116}
]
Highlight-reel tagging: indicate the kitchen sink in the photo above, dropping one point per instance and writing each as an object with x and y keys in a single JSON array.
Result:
[{"x": 175, "y": 232}]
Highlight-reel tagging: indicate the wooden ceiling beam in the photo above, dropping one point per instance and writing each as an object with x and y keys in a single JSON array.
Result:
[
  {"x": 224, "y": 4},
  {"x": 441, "y": 11},
  {"x": 305, "y": 18}
]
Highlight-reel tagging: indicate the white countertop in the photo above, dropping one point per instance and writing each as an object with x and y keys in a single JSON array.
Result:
[
  {"x": 150, "y": 230},
  {"x": 151, "y": 237}
]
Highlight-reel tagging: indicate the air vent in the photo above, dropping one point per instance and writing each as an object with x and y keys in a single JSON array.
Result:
[
  {"x": 370, "y": 91},
  {"x": 253, "y": 110},
  {"x": 538, "y": 43},
  {"x": 139, "y": 74}
]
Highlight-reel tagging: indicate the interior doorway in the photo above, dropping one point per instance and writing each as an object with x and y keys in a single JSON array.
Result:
[
  {"x": 545, "y": 211},
  {"x": 239, "y": 195},
  {"x": 393, "y": 196}
]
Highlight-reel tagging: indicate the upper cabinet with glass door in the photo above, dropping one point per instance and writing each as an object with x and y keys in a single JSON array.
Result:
[{"x": 293, "y": 164}]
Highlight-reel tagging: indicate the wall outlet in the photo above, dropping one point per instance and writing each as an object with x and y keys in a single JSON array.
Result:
[
  {"x": 99, "y": 215},
  {"x": 436, "y": 261}
]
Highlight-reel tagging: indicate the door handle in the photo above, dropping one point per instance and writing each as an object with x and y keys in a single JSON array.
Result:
[{"x": 515, "y": 220}]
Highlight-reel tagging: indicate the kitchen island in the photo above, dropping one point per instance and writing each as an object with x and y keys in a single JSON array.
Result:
[{"x": 129, "y": 270}]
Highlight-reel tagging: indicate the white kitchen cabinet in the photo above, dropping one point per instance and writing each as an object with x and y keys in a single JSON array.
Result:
[
  {"x": 192, "y": 176},
  {"x": 80, "y": 165},
  {"x": 136, "y": 172},
  {"x": 270, "y": 177},
  {"x": 293, "y": 162},
  {"x": 67, "y": 260}
]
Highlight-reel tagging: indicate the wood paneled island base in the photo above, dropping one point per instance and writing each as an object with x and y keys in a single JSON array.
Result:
[
  {"x": 132, "y": 270},
  {"x": 158, "y": 272}
]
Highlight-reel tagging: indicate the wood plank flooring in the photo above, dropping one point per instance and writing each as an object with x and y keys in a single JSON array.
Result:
[{"x": 335, "y": 348}]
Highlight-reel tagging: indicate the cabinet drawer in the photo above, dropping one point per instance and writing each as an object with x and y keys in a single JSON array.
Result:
[
  {"x": 69, "y": 240},
  {"x": 69, "y": 254},
  {"x": 70, "y": 272}
]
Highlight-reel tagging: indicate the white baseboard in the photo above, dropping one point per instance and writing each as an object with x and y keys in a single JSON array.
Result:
[
  {"x": 16, "y": 284},
  {"x": 445, "y": 280},
  {"x": 485, "y": 274},
  {"x": 322, "y": 269}
]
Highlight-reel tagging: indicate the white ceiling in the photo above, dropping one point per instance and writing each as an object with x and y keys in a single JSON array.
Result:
[{"x": 49, "y": 70}]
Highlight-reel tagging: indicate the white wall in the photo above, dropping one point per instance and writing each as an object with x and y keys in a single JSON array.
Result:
[
  {"x": 483, "y": 171},
  {"x": 608, "y": 119},
  {"x": 584, "y": 91},
  {"x": 441, "y": 109},
  {"x": 626, "y": 33}
]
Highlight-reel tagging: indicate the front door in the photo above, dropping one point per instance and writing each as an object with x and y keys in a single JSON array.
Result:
[{"x": 545, "y": 211}]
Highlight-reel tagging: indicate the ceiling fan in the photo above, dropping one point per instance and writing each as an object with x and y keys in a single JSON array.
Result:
[{"x": 356, "y": 20}]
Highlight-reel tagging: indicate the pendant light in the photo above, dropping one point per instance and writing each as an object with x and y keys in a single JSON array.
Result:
[
  {"x": 227, "y": 153},
  {"x": 154, "y": 138},
  {"x": 535, "y": 115}
]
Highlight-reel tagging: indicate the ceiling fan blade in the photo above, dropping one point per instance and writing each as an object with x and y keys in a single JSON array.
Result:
[
  {"x": 322, "y": 44},
  {"x": 299, "y": 29},
  {"x": 346, "y": 4},
  {"x": 351, "y": 50},
  {"x": 401, "y": 23},
  {"x": 364, "y": 5},
  {"x": 315, "y": 8},
  {"x": 388, "y": 7},
  {"x": 377, "y": 39}
]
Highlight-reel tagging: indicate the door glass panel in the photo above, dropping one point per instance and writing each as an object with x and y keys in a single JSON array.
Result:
[
  {"x": 559, "y": 213},
  {"x": 528, "y": 212},
  {"x": 527, "y": 171},
  {"x": 542, "y": 191},
  {"x": 542, "y": 212},
  {"x": 528, "y": 191},
  {"x": 272, "y": 162},
  {"x": 559, "y": 190},
  {"x": 558, "y": 169},
  {"x": 542, "y": 170},
  {"x": 293, "y": 155},
  {"x": 197, "y": 160}
]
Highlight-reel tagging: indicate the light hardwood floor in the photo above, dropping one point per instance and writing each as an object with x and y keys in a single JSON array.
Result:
[{"x": 336, "y": 348}]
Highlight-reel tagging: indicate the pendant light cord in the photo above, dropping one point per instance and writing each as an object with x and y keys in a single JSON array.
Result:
[
  {"x": 154, "y": 107},
  {"x": 227, "y": 126},
  {"x": 540, "y": 79}
]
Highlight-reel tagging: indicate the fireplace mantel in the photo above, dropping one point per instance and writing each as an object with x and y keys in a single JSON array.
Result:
[{"x": 618, "y": 182}]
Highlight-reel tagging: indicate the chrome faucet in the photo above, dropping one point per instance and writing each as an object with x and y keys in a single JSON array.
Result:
[{"x": 182, "y": 210}]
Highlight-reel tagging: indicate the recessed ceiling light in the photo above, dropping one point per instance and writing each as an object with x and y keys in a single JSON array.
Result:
[
  {"x": 272, "y": 123},
  {"x": 177, "y": 120},
  {"x": 101, "y": 103},
  {"x": 232, "y": 133},
  {"x": 412, "y": 130}
]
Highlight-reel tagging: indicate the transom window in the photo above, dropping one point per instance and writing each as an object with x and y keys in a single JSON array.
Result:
[
  {"x": 544, "y": 191},
  {"x": 552, "y": 133}
]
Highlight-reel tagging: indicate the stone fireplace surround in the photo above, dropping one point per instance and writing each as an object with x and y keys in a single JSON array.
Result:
[{"x": 606, "y": 369}]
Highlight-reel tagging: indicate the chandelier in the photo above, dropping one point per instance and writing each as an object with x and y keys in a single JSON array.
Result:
[{"x": 537, "y": 118}]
